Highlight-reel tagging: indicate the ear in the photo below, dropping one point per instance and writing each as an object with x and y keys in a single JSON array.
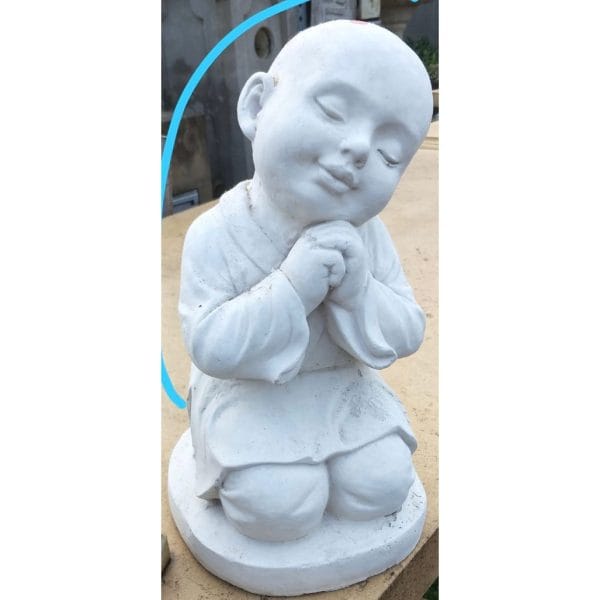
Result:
[{"x": 254, "y": 94}]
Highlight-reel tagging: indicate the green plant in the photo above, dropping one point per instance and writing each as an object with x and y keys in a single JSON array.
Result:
[
  {"x": 430, "y": 57},
  {"x": 433, "y": 592}
]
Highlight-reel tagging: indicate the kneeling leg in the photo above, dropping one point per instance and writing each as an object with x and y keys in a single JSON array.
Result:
[
  {"x": 276, "y": 503},
  {"x": 372, "y": 481}
]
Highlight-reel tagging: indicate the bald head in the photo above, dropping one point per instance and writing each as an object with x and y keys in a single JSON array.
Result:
[
  {"x": 336, "y": 121},
  {"x": 340, "y": 48},
  {"x": 327, "y": 42}
]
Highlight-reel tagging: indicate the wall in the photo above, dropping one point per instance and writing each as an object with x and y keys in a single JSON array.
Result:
[
  {"x": 190, "y": 28},
  {"x": 395, "y": 14}
]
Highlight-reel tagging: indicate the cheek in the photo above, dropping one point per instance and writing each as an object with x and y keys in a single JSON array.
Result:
[
  {"x": 294, "y": 144},
  {"x": 382, "y": 181},
  {"x": 392, "y": 182},
  {"x": 375, "y": 192},
  {"x": 313, "y": 139}
]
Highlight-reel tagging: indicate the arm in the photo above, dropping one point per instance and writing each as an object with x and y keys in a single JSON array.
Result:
[
  {"x": 259, "y": 334},
  {"x": 381, "y": 321}
]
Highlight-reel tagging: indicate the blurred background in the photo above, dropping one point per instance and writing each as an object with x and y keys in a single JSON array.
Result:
[{"x": 211, "y": 155}]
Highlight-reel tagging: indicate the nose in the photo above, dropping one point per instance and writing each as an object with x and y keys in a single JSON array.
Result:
[{"x": 356, "y": 147}]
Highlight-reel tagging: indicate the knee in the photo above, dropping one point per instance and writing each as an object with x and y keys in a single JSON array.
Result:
[
  {"x": 276, "y": 503},
  {"x": 372, "y": 481}
]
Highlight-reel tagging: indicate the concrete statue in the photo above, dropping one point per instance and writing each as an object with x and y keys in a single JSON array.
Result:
[{"x": 296, "y": 474}]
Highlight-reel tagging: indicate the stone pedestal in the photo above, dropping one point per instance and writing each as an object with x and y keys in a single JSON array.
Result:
[{"x": 339, "y": 553}]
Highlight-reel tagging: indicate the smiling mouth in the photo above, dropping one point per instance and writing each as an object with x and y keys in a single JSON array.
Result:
[{"x": 339, "y": 175}]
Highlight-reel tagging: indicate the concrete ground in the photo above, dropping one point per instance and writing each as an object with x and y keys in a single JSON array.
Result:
[{"x": 412, "y": 219}]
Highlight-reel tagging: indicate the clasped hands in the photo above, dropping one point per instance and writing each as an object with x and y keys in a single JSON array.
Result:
[{"x": 328, "y": 260}]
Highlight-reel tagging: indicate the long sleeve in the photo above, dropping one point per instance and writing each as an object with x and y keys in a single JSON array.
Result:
[
  {"x": 260, "y": 333},
  {"x": 388, "y": 324}
]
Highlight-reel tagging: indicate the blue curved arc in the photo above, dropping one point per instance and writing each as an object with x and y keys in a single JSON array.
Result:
[
  {"x": 178, "y": 111},
  {"x": 168, "y": 385}
]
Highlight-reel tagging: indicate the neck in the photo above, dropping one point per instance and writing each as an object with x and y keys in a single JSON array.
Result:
[{"x": 280, "y": 227}]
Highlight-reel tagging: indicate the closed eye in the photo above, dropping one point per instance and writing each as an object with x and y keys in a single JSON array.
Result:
[
  {"x": 388, "y": 160},
  {"x": 329, "y": 111}
]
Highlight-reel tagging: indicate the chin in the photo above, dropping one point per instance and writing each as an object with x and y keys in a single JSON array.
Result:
[
  {"x": 357, "y": 222},
  {"x": 359, "y": 219}
]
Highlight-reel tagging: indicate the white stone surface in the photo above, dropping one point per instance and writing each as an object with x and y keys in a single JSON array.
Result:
[
  {"x": 337, "y": 554},
  {"x": 292, "y": 297}
]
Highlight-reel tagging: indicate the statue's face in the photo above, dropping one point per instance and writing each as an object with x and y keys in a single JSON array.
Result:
[{"x": 333, "y": 145}]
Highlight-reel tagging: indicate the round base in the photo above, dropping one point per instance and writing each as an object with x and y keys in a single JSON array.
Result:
[{"x": 337, "y": 554}]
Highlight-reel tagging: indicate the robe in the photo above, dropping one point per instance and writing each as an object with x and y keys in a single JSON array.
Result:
[{"x": 270, "y": 384}]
